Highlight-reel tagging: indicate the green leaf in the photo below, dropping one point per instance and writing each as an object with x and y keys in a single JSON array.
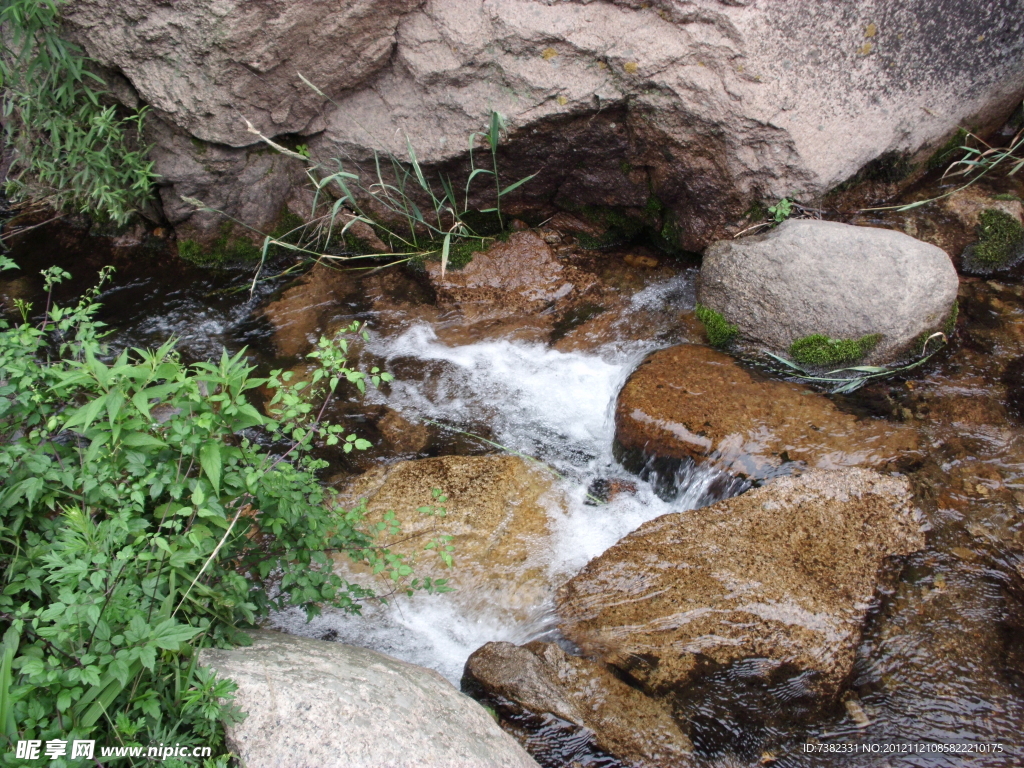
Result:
[
  {"x": 209, "y": 458},
  {"x": 141, "y": 440}
]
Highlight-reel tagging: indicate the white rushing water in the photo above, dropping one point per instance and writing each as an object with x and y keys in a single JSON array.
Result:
[{"x": 555, "y": 406}]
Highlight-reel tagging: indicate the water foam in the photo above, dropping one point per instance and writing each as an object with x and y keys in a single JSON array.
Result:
[{"x": 555, "y": 406}]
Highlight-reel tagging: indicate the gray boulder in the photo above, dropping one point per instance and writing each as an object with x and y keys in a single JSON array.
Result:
[
  {"x": 692, "y": 108},
  {"x": 315, "y": 704},
  {"x": 819, "y": 277}
]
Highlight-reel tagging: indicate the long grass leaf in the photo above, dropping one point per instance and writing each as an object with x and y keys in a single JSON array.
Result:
[
  {"x": 516, "y": 185},
  {"x": 445, "y": 247}
]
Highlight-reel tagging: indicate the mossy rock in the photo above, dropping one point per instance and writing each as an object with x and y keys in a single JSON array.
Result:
[
  {"x": 720, "y": 332},
  {"x": 819, "y": 350},
  {"x": 1000, "y": 244}
]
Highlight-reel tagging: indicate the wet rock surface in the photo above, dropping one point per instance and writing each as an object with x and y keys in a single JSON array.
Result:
[
  {"x": 690, "y": 401},
  {"x": 298, "y": 316},
  {"x": 329, "y": 704},
  {"x": 784, "y": 573},
  {"x": 496, "y": 514},
  {"x": 811, "y": 277},
  {"x": 540, "y": 679},
  {"x": 509, "y": 280}
]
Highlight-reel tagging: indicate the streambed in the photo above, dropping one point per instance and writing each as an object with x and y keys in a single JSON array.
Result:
[{"x": 941, "y": 660}]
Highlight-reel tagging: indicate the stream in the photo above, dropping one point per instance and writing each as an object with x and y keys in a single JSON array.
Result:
[{"x": 939, "y": 661}]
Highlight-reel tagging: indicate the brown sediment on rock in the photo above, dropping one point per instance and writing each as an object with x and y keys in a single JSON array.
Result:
[
  {"x": 497, "y": 518},
  {"x": 784, "y": 573},
  {"x": 540, "y": 678},
  {"x": 692, "y": 401},
  {"x": 521, "y": 275},
  {"x": 299, "y": 314}
]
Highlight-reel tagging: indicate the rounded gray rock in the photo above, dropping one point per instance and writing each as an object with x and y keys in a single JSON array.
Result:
[
  {"x": 316, "y": 704},
  {"x": 820, "y": 277}
]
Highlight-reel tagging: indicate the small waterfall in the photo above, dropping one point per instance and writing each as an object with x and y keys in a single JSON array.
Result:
[{"x": 554, "y": 406}]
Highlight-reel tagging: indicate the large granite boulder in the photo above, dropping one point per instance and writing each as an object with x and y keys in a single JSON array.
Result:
[
  {"x": 538, "y": 679},
  {"x": 690, "y": 401},
  {"x": 809, "y": 277},
  {"x": 496, "y": 514},
  {"x": 314, "y": 703},
  {"x": 784, "y": 574},
  {"x": 689, "y": 108}
]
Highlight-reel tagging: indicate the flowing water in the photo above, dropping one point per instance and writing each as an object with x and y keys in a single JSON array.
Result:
[{"x": 942, "y": 658}]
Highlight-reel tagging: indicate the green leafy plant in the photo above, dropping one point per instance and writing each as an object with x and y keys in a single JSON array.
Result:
[
  {"x": 720, "y": 332},
  {"x": 782, "y": 210},
  {"x": 141, "y": 519},
  {"x": 70, "y": 148},
  {"x": 818, "y": 349}
]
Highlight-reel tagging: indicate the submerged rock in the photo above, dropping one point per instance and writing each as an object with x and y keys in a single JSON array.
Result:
[
  {"x": 785, "y": 574},
  {"x": 315, "y": 703},
  {"x": 806, "y": 278},
  {"x": 496, "y": 514},
  {"x": 689, "y": 401},
  {"x": 299, "y": 314},
  {"x": 540, "y": 679}
]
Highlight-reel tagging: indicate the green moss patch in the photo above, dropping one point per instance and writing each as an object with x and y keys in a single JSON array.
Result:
[
  {"x": 818, "y": 349},
  {"x": 949, "y": 151},
  {"x": 720, "y": 332},
  {"x": 1000, "y": 237}
]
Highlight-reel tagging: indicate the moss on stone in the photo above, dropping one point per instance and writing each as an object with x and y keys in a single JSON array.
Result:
[
  {"x": 819, "y": 349},
  {"x": 226, "y": 248},
  {"x": 1000, "y": 238},
  {"x": 950, "y": 325},
  {"x": 948, "y": 152},
  {"x": 720, "y": 332},
  {"x": 191, "y": 251}
]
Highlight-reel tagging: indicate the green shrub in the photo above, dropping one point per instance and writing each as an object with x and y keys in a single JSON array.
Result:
[
  {"x": 70, "y": 149},
  {"x": 720, "y": 332},
  {"x": 818, "y": 349},
  {"x": 1000, "y": 238},
  {"x": 140, "y": 520}
]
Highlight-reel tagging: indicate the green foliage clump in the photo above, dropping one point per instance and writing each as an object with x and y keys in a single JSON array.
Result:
[
  {"x": 227, "y": 248},
  {"x": 140, "y": 520},
  {"x": 191, "y": 251},
  {"x": 1000, "y": 238},
  {"x": 719, "y": 331},
  {"x": 818, "y": 349},
  {"x": 70, "y": 149},
  {"x": 782, "y": 210}
]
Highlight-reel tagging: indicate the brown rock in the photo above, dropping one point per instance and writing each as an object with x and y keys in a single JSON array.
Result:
[
  {"x": 566, "y": 223},
  {"x": 496, "y": 513},
  {"x": 785, "y": 572},
  {"x": 641, "y": 262},
  {"x": 540, "y": 678},
  {"x": 300, "y": 312},
  {"x": 691, "y": 401},
  {"x": 515, "y": 277},
  {"x": 403, "y": 435},
  {"x": 966, "y": 204}
]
